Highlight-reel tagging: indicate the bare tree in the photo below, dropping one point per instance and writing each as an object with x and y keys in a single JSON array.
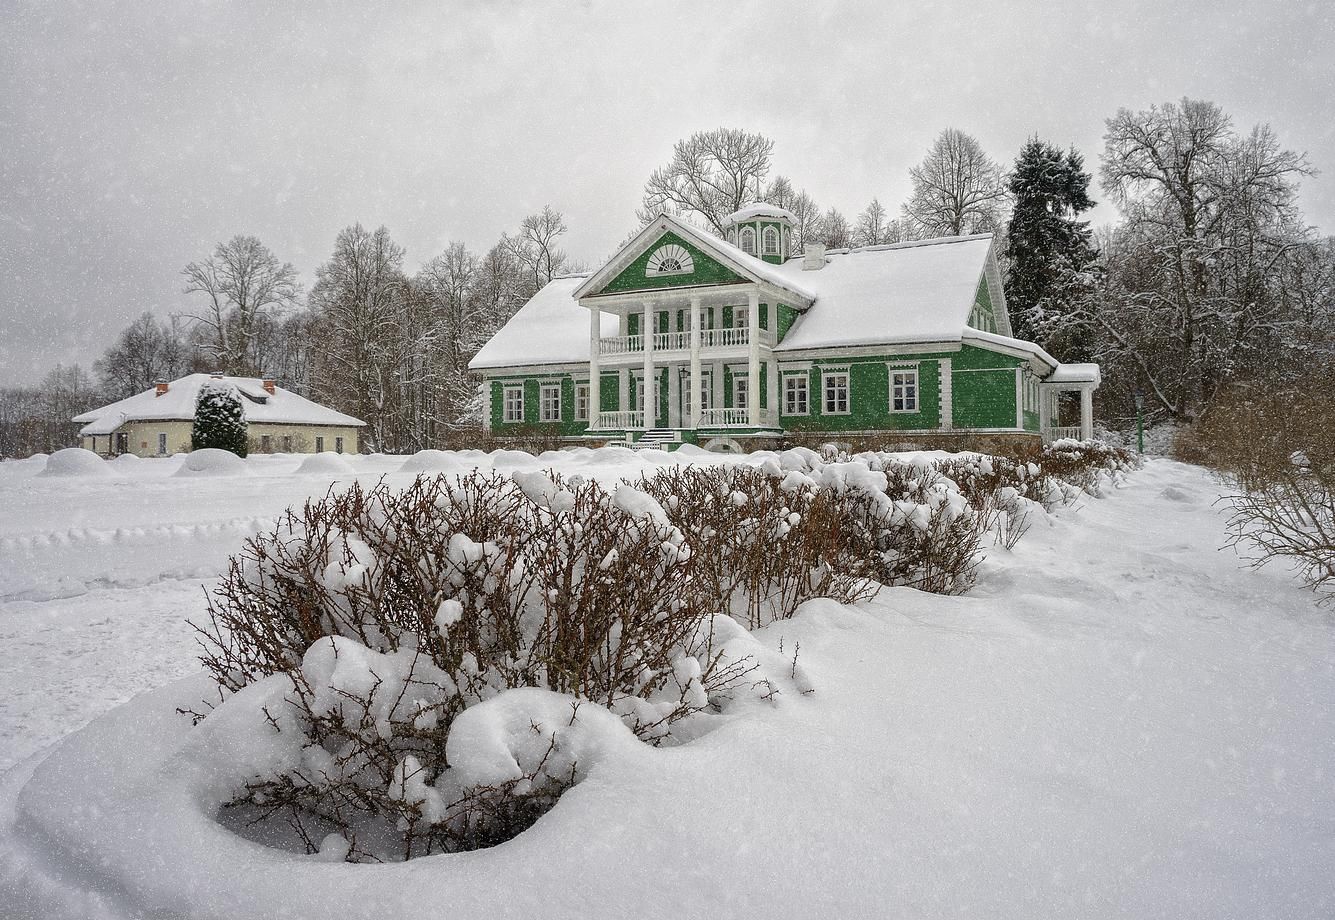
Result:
[
  {"x": 711, "y": 175},
  {"x": 1195, "y": 289},
  {"x": 834, "y": 230},
  {"x": 358, "y": 299},
  {"x": 957, "y": 189},
  {"x": 806, "y": 228},
  {"x": 146, "y": 351},
  {"x": 875, "y": 228},
  {"x": 242, "y": 282},
  {"x": 535, "y": 245}
]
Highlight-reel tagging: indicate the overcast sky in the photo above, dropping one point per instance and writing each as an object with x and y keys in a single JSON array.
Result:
[{"x": 135, "y": 136}]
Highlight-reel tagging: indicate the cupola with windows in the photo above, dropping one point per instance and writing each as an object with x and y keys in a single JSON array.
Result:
[{"x": 762, "y": 230}]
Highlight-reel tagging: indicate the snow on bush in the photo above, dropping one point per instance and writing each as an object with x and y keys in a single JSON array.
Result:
[
  {"x": 326, "y": 463},
  {"x": 75, "y": 461},
  {"x": 212, "y": 461},
  {"x": 220, "y": 419},
  {"x": 386, "y": 614},
  {"x": 442, "y": 662}
]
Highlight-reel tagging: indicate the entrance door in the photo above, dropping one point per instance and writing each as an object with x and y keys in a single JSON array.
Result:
[
  {"x": 684, "y": 395},
  {"x": 122, "y": 443}
]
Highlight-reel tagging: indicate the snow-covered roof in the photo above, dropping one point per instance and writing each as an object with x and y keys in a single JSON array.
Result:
[
  {"x": 725, "y": 252},
  {"x": 552, "y": 328},
  {"x": 900, "y": 293},
  {"x": 1076, "y": 373},
  {"x": 178, "y": 404},
  {"x": 751, "y": 212}
]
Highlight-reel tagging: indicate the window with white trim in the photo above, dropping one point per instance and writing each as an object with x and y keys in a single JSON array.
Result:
[
  {"x": 162, "y": 443},
  {"x": 549, "y": 402},
  {"x": 512, "y": 402},
  {"x": 739, "y": 317},
  {"x": 795, "y": 394},
  {"x": 904, "y": 390},
  {"x": 581, "y": 402},
  {"x": 836, "y": 393},
  {"x": 748, "y": 240},
  {"x": 771, "y": 238},
  {"x": 740, "y": 393}
]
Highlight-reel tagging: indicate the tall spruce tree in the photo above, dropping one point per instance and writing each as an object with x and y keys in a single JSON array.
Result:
[
  {"x": 220, "y": 421},
  {"x": 1050, "y": 251}
]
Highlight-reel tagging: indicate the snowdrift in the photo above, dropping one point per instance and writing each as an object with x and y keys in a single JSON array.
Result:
[
  {"x": 76, "y": 462},
  {"x": 210, "y": 461}
]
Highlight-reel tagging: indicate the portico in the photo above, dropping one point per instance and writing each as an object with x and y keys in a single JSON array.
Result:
[{"x": 700, "y": 351}]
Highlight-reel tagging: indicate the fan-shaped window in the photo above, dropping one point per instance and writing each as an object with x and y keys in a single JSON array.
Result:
[
  {"x": 748, "y": 240},
  {"x": 732, "y": 236},
  {"x": 771, "y": 241},
  {"x": 669, "y": 260}
]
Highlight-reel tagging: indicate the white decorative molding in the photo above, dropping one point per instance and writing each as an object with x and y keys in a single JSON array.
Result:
[
  {"x": 670, "y": 259},
  {"x": 947, "y": 395}
]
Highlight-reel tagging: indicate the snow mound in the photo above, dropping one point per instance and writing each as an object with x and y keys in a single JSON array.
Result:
[
  {"x": 127, "y": 460},
  {"x": 503, "y": 458},
  {"x": 75, "y": 461},
  {"x": 326, "y": 462},
  {"x": 210, "y": 461},
  {"x": 431, "y": 461}
]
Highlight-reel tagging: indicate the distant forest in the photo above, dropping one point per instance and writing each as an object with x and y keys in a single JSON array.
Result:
[{"x": 1210, "y": 286}]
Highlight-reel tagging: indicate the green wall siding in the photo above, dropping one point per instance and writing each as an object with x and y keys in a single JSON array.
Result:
[
  {"x": 787, "y": 316},
  {"x": 707, "y": 271},
  {"x": 982, "y": 384}
]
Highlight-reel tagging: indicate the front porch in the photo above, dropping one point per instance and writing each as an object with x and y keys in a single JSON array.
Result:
[{"x": 692, "y": 363}]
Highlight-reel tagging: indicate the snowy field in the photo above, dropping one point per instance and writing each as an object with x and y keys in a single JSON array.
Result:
[{"x": 1119, "y": 721}]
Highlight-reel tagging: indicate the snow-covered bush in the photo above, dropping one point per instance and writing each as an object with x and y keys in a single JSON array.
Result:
[
  {"x": 220, "y": 420},
  {"x": 385, "y": 615}
]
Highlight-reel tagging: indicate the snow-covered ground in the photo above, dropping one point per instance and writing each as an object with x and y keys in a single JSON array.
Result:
[{"x": 1118, "y": 721}]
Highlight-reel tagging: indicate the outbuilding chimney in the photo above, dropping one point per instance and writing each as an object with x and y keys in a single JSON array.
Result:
[
  {"x": 161, "y": 388},
  {"x": 813, "y": 257},
  {"x": 268, "y": 385}
]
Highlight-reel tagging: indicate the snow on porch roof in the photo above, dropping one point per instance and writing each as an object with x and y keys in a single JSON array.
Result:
[
  {"x": 552, "y": 328},
  {"x": 178, "y": 404}
]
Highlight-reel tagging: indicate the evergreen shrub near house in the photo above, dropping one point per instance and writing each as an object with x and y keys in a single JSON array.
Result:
[{"x": 220, "y": 420}]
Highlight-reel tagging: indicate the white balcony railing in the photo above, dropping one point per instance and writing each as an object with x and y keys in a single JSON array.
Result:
[
  {"x": 735, "y": 418},
  {"x": 620, "y": 421},
  {"x": 681, "y": 341}
]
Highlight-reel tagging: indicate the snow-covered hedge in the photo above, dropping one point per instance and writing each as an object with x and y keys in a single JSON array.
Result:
[{"x": 437, "y": 664}]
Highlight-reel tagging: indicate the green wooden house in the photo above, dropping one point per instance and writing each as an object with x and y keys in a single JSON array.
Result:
[{"x": 732, "y": 343}]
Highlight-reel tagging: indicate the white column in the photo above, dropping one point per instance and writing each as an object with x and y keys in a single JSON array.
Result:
[
  {"x": 772, "y": 387},
  {"x": 595, "y": 367},
  {"x": 647, "y": 331},
  {"x": 947, "y": 407},
  {"x": 623, "y": 389},
  {"x": 753, "y": 360},
  {"x": 1086, "y": 413},
  {"x": 1019, "y": 397},
  {"x": 716, "y": 380},
  {"x": 697, "y": 317},
  {"x": 674, "y": 395}
]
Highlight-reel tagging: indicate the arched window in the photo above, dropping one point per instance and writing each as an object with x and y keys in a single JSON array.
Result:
[
  {"x": 771, "y": 241},
  {"x": 732, "y": 236},
  {"x": 748, "y": 237}
]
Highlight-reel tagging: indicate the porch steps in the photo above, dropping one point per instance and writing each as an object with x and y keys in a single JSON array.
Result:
[{"x": 659, "y": 438}]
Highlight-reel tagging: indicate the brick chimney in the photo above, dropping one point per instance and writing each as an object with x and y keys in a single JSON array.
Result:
[
  {"x": 161, "y": 387},
  {"x": 813, "y": 257},
  {"x": 268, "y": 385}
]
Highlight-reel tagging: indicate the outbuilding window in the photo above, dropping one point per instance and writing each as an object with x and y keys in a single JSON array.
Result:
[
  {"x": 550, "y": 402},
  {"x": 836, "y": 393},
  {"x": 904, "y": 391},
  {"x": 162, "y": 443},
  {"x": 513, "y": 403}
]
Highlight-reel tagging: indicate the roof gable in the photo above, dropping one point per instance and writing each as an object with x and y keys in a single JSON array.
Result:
[
  {"x": 645, "y": 272},
  {"x": 643, "y": 245}
]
